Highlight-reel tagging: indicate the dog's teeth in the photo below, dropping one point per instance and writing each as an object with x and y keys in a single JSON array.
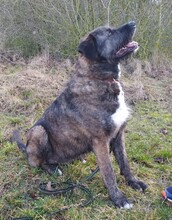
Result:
[{"x": 128, "y": 206}]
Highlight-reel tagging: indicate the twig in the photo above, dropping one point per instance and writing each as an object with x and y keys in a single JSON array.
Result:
[{"x": 108, "y": 10}]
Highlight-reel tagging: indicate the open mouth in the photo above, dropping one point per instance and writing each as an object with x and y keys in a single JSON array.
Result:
[{"x": 127, "y": 49}]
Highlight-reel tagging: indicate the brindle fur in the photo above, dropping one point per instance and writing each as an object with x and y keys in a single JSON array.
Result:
[{"x": 79, "y": 120}]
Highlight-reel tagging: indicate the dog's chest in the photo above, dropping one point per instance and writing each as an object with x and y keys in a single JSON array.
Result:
[{"x": 122, "y": 113}]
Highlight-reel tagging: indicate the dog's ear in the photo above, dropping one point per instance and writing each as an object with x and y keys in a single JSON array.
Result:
[{"x": 88, "y": 48}]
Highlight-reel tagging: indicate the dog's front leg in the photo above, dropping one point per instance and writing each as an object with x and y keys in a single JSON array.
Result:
[
  {"x": 102, "y": 154},
  {"x": 118, "y": 147}
]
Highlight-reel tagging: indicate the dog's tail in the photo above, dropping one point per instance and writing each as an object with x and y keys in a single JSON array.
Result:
[{"x": 17, "y": 138}]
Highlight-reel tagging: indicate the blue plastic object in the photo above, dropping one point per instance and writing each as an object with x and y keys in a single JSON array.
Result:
[{"x": 167, "y": 193}]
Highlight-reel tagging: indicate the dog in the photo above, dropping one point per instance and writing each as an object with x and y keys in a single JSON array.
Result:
[{"x": 90, "y": 114}]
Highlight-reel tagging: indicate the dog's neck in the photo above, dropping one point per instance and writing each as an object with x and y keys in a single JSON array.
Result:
[
  {"x": 101, "y": 70},
  {"x": 105, "y": 71}
]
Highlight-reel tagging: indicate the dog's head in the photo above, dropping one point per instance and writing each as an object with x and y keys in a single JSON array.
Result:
[{"x": 109, "y": 44}]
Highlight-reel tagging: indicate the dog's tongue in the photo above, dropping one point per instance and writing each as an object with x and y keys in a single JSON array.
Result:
[{"x": 130, "y": 47}]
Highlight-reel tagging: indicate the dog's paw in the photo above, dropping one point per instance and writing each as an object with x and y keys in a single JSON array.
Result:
[
  {"x": 52, "y": 169},
  {"x": 59, "y": 172},
  {"x": 137, "y": 185},
  {"x": 122, "y": 202}
]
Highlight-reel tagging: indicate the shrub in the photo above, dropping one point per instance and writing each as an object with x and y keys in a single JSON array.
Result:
[{"x": 56, "y": 26}]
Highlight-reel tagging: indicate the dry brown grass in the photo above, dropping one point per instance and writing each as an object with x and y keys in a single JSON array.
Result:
[
  {"x": 145, "y": 80},
  {"x": 28, "y": 89}
]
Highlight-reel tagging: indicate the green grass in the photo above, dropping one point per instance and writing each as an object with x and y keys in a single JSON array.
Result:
[
  {"x": 19, "y": 195},
  {"x": 148, "y": 144}
]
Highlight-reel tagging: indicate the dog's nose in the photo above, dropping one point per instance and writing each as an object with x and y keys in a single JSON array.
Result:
[{"x": 132, "y": 23}]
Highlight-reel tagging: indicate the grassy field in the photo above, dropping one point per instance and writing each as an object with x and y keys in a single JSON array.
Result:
[{"x": 26, "y": 90}]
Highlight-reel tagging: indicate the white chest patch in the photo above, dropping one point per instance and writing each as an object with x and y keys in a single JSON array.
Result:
[{"x": 122, "y": 113}]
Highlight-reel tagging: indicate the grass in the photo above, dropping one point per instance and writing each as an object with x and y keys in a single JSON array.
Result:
[{"x": 148, "y": 143}]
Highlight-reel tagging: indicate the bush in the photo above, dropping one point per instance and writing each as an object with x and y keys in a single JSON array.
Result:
[{"x": 57, "y": 26}]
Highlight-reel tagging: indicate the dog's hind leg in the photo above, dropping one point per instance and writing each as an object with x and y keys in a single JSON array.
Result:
[
  {"x": 101, "y": 150},
  {"x": 37, "y": 139},
  {"x": 38, "y": 150},
  {"x": 117, "y": 145}
]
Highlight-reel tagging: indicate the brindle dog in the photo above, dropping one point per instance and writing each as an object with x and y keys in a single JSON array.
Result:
[{"x": 90, "y": 114}]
